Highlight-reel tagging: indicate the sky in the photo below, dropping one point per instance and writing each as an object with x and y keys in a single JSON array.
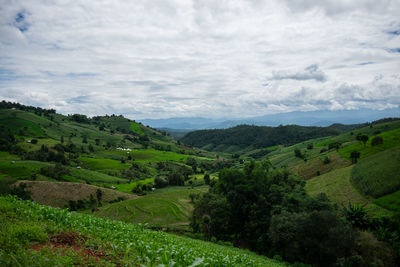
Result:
[{"x": 187, "y": 58}]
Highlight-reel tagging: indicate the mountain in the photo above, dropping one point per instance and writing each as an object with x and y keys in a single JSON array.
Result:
[{"x": 310, "y": 118}]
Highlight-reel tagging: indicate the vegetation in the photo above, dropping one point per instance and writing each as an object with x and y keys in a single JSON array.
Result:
[
  {"x": 162, "y": 209},
  {"x": 270, "y": 211},
  {"x": 268, "y": 189},
  {"x": 379, "y": 174},
  {"x": 247, "y": 137},
  {"x": 24, "y": 224}
]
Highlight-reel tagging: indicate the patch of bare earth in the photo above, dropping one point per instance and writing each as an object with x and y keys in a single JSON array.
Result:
[{"x": 70, "y": 241}]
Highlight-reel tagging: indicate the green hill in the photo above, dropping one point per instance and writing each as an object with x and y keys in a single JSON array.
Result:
[
  {"x": 339, "y": 189},
  {"x": 167, "y": 209},
  {"x": 379, "y": 174},
  {"x": 246, "y": 137},
  {"x": 34, "y": 235}
]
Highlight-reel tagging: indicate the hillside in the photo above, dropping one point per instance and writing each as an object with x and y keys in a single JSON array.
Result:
[
  {"x": 57, "y": 194},
  {"x": 246, "y": 137},
  {"x": 43, "y": 236},
  {"x": 255, "y": 187},
  {"x": 65, "y": 160},
  {"x": 162, "y": 209}
]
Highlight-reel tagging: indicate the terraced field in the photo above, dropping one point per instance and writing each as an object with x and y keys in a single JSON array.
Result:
[
  {"x": 339, "y": 189},
  {"x": 170, "y": 207}
]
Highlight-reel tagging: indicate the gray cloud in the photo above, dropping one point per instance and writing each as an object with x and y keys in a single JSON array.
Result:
[
  {"x": 309, "y": 73},
  {"x": 167, "y": 58}
]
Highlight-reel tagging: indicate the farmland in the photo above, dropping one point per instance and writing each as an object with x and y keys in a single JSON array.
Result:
[
  {"x": 120, "y": 243},
  {"x": 165, "y": 208}
]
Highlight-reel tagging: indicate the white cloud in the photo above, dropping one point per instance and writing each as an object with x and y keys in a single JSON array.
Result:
[{"x": 200, "y": 58}]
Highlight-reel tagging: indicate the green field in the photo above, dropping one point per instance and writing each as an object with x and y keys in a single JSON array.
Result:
[
  {"x": 135, "y": 127},
  {"x": 166, "y": 208},
  {"x": 379, "y": 174},
  {"x": 102, "y": 164},
  {"x": 338, "y": 188},
  {"x": 21, "y": 169},
  {"x": 390, "y": 139},
  {"x": 127, "y": 187},
  {"x": 390, "y": 202},
  {"x": 28, "y": 232},
  {"x": 95, "y": 177}
]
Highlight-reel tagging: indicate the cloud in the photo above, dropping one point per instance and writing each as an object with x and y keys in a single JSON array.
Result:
[
  {"x": 170, "y": 58},
  {"x": 310, "y": 73}
]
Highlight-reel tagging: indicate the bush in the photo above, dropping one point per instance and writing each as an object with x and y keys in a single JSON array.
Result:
[
  {"x": 297, "y": 153},
  {"x": 327, "y": 160},
  {"x": 356, "y": 216},
  {"x": 318, "y": 238},
  {"x": 160, "y": 182},
  {"x": 377, "y": 140},
  {"x": 323, "y": 150}
]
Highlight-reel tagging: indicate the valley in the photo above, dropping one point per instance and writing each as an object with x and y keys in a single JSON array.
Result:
[{"x": 195, "y": 198}]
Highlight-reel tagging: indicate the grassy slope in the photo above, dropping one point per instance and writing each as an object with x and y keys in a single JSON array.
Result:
[
  {"x": 390, "y": 202},
  {"x": 167, "y": 208},
  {"x": 390, "y": 139},
  {"x": 309, "y": 169},
  {"x": 57, "y": 194},
  {"x": 24, "y": 223},
  {"x": 337, "y": 186},
  {"x": 379, "y": 174}
]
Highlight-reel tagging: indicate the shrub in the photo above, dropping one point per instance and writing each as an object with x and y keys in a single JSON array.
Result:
[
  {"x": 160, "y": 182},
  {"x": 327, "y": 160},
  {"x": 377, "y": 140},
  {"x": 297, "y": 153},
  {"x": 323, "y": 150},
  {"x": 356, "y": 216}
]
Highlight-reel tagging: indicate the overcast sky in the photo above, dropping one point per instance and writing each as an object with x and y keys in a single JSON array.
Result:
[{"x": 159, "y": 59}]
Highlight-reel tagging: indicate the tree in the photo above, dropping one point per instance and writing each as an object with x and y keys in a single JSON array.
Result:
[
  {"x": 362, "y": 137},
  {"x": 207, "y": 179},
  {"x": 99, "y": 195},
  {"x": 160, "y": 182},
  {"x": 62, "y": 139},
  {"x": 377, "y": 140},
  {"x": 84, "y": 140},
  {"x": 297, "y": 153},
  {"x": 91, "y": 149},
  {"x": 354, "y": 156}
]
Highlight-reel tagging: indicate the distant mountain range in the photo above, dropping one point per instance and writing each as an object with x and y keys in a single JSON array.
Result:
[{"x": 311, "y": 118}]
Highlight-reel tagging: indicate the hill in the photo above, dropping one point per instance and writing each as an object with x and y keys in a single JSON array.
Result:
[
  {"x": 34, "y": 235},
  {"x": 339, "y": 189},
  {"x": 246, "y": 137},
  {"x": 57, "y": 194},
  {"x": 170, "y": 208},
  {"x": 378, "y": 175},
  {"x": 108, "y": 151}
]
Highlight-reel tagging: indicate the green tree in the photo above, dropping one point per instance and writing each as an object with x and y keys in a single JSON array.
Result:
[
  {"x": 377, "y": 140},
  {"x": 354, "y": 155},
  {"x": 207, "y": 179},
  {"x": 99, "y": 195}
]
